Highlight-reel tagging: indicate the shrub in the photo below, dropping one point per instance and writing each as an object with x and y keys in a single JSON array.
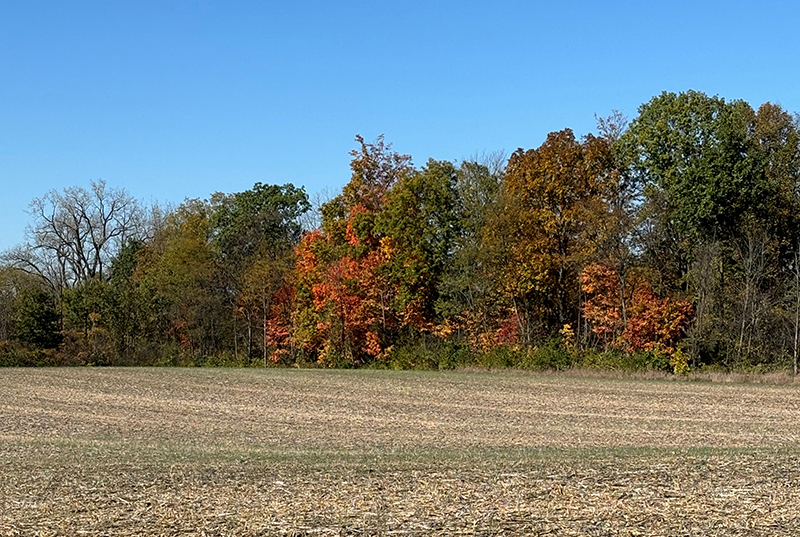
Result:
[
  {"x": 616, "y": 360},
  {"x": 17, "y": 354},
  {"x": 679, "y": 362},
  {"x": 552, "y": 355},
  {"x": 427, "y": 355}
]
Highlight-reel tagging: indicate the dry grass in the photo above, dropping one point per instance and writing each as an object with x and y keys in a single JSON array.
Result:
[
  {"x": 779, "y": 377},
  {"x": 285, "y": 452}
]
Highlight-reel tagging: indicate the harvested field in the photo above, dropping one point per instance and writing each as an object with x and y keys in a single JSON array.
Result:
[{"x": 317, "y": 452}]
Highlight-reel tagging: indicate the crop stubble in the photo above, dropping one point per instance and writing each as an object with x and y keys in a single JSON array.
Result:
[{"x": 285, "y": 452}]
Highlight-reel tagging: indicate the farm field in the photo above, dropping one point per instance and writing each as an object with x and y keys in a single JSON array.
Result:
[{"x": 321, "y": 452}]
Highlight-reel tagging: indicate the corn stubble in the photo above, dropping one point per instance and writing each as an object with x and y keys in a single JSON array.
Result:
[{"x": 282, "y": 452}]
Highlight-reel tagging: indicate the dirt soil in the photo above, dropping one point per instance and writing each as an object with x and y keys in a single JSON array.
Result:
[{"x": 317, "y": 452}]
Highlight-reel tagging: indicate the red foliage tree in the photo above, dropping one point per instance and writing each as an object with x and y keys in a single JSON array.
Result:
[{"x": 647, "y": 322}]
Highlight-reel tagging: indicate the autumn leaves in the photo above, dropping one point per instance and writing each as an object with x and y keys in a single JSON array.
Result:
[{"x": 676, "y": 237}]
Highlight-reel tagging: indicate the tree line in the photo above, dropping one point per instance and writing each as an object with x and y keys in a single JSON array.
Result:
[{"x": 671, "y": 242}]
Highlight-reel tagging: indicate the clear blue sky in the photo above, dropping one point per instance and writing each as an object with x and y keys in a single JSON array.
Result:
[{"x": 176, "y": 99}]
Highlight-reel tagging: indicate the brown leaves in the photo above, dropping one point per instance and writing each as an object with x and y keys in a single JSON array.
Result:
[{"x": 554, "y": 199}]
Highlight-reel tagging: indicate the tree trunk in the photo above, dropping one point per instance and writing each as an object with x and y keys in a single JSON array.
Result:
[{"x": 264, "y": 320}]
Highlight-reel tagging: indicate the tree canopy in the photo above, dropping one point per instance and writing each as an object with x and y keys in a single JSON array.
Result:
[{"x": 670, "y": 241}]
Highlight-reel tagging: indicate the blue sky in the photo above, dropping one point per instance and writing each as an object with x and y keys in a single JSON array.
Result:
[{"x": 183, "y": 98}]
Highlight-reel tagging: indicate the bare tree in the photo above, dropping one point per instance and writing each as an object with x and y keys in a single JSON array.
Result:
[
  {"x": 612, "y": 127},
  {"x": 312, "y": 219},
  {"x": 754, "y": 301},
  {"x": 792, "y": 307},
  {"x": 76, "y": 233}
]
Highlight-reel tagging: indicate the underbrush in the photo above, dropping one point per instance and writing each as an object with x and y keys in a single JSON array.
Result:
[
  {"x": 426, "y": 353},
  {"x": 552, "y": 356},
  {"x": 15, "y": 354}
]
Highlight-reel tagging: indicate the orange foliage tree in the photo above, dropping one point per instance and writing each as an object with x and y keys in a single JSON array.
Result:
[
  {"x": 652, "y": 323},
  {"x": 343, "y": 310}
]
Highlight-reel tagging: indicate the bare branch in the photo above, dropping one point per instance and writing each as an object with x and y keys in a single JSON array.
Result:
[{"x": 77, "y": 232}]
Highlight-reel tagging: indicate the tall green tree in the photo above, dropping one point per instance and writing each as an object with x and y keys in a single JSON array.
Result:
[
  {"x": 695, "y": 156},
  {"x": 177, "y": 272},
  {"x": 719, "y": 184},
  {"x": 421, "y": 221},
  {"x": 468, "y": 300},
  {"x": 252, "y": 235},
  {"x": 36, "y": 318}
]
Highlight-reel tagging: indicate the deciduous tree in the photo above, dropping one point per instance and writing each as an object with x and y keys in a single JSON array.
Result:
[
  {"x": 552, "y": 195},
  {"x": 76, "y": 233}
]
